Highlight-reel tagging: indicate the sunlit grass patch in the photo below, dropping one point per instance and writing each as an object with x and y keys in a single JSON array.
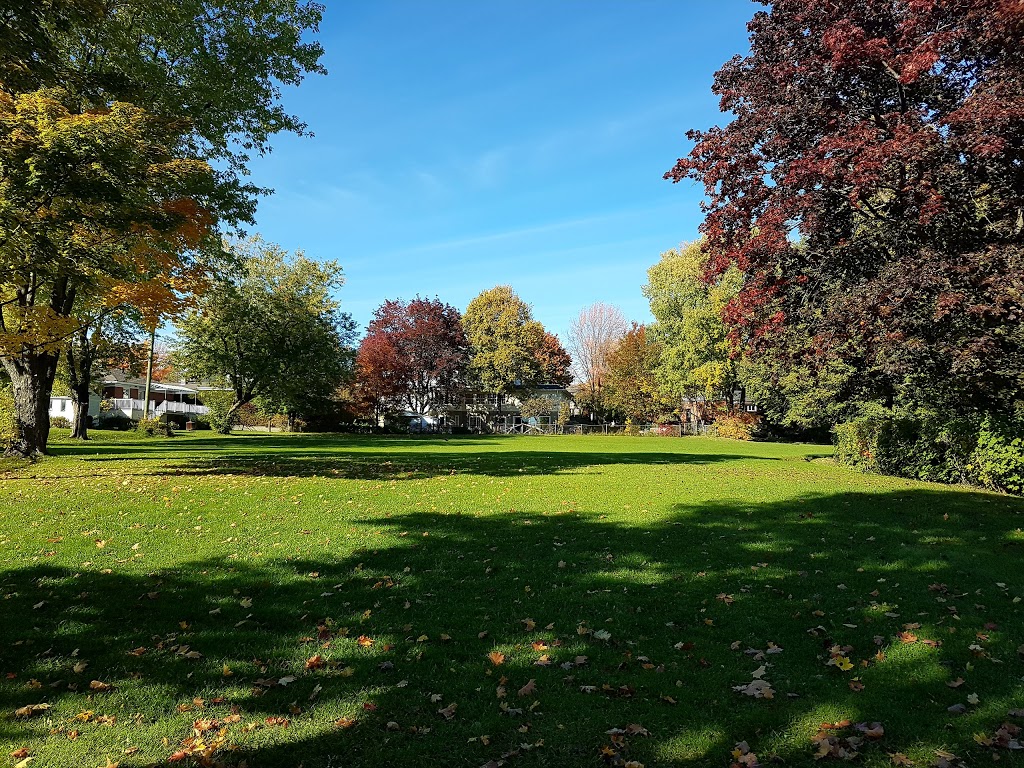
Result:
[{"x": 337, "y": 600}]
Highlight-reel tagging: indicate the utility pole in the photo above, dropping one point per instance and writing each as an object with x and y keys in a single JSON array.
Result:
[{"x": 149, "y": 373}]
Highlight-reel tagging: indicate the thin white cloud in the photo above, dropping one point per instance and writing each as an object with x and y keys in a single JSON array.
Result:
[{"x": 527, "y": 231}]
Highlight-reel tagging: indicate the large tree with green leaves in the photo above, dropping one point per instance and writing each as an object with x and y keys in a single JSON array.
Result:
[
  {"x": 697, "y": 360},
  {"x": 271, "y": 329},
  {"x": 125, "y": 130},
  {"x": 504, "y": 342}
]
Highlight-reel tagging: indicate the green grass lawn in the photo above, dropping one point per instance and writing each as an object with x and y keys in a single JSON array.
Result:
[{"x": 337, "y": 601}]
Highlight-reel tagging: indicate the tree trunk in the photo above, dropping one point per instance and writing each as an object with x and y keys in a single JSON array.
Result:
[
  {"x": 80, "y": 404},
  {"x": 230, "y": 416},
  {"x": 32, "y": 377},
  {"x": 80, "y": 358}
]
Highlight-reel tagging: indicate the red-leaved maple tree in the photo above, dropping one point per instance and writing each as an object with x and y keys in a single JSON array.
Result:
[
  {"x": 413, "y": 356},
  {"x": 870, "y": 187}
]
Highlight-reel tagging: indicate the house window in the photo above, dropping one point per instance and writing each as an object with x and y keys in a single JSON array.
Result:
[{"x": 63, "y": 404}]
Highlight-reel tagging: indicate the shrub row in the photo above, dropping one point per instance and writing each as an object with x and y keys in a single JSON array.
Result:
[{"x": 989, "y": 453}]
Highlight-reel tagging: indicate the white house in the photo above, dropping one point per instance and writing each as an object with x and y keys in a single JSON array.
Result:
[
  {"x": 127, "y": 396},
  {"x": 61, "y": 406}
]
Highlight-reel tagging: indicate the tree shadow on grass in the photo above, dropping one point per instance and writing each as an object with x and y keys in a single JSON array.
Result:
[
  {"x": 372, "y": 458},
  {"x": 367, "y": 465},
  {"x": 681, "y": 600}
]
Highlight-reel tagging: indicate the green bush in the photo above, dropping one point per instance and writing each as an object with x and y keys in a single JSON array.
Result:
[
  {"x": 926, "y": 447},
  {"x": 906, "y": 445},
  {"x": 219, "y": 404},
  {"x": 60, "y": 422},
  {"x": 154, "y": 428},
  {"x": 998, "y": 460}
]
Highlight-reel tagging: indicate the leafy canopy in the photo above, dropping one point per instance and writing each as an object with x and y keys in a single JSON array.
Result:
[
  {"x": 888, "y": 136},
  {"x": 504, "y": 340},
  {"x": 273, "y": 329},
  {"x": 696, "y": 353}
]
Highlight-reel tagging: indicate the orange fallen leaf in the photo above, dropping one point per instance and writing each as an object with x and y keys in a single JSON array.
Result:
[{"x": 497, "y": 658}]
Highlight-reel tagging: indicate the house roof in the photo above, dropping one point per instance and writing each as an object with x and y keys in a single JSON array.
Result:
[{"x": 156, "y": 386}]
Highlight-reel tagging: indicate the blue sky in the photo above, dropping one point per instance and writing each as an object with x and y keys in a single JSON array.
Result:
[{"x": 464, "y": 144}]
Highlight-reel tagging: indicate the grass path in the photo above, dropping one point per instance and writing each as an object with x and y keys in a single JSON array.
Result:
[{"x": 329, "y": 601}]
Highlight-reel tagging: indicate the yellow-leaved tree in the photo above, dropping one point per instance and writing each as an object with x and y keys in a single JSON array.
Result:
[
  {"x": 125, "y": 131},
  {"x": 96, "y": 211}
]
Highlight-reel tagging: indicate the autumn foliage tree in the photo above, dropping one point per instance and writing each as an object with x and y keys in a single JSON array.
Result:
[
  {"x": 96, "y": 210},
  {"x": 633, "y": 389},
  {"x": 555, "y": 363},
  {"x": 413, "y": 356},
  {"x": 112, "y": 117},
  {"x": 870, "y": 189},
  {"x": 504, "y": 340}
]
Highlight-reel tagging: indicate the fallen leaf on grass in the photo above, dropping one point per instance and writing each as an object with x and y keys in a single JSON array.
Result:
[
  {"x": 743, "y": 757},
  {"x": 497, "y": 658},
  {"x": 759, "y": 689},
  {"x": 529, "y": 688},
  {"x": 448, "y": 712},
  {"x": 31, "y": 710}
]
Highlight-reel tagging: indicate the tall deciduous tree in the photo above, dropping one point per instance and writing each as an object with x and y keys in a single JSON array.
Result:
[
  {"x": 379, "y": 385},
  {"x": 504, "y": 340},
  {"x": 890, "y": 136},
  {"x": 110, "y": 340},
  {"x": 96, "y": 210},
  {"x": 555, "y": 362},
  {"x": 593, "y": 335},
  {"x": 415, "y": 353},
  {"x": 632, "y": 381},
  {"x": 272, "y": 330},
  {"x": 697, "y": 359},
  {"x": 111, "y": 114}
]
